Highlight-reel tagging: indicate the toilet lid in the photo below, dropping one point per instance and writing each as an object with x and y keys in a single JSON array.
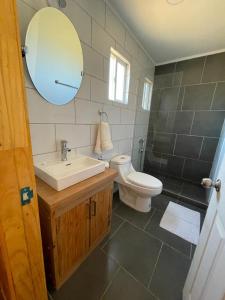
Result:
[
  {"x": 144, "y": 180},
  {"x": 121, "y": 159}
]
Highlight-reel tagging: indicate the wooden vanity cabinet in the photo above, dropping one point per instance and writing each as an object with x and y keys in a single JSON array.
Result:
[{"x": 73, "y": 222}]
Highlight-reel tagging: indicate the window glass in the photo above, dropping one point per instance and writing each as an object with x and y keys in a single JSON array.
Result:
[
  {"x": 119, "y": 77},
  {"x": 147, "y": 94}
]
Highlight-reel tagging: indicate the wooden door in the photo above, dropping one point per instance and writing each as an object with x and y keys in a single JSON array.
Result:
[
  {"x": 101, "y": 207},
  {"x": 206, "y": 278},
  {"x": 21, "y": 257},
  {"x": 72, "y": 236}
]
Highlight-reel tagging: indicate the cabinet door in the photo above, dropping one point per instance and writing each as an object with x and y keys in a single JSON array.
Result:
[
  {"x": 101, "y": 207},
  {"x": 72, "y": 239}
]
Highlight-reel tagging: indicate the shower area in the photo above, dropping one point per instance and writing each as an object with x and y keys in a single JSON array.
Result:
[{"x": 186, "y": 117}]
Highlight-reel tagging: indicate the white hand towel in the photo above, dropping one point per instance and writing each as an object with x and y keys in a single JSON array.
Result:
[{"x": 103, "y": 141}]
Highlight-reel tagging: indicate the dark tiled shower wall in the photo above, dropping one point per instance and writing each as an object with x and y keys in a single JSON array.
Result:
[{"x": 187, "y": 114}]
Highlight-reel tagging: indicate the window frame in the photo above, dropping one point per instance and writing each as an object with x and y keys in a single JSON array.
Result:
[
  {"x": 124, "y": 62},
  {"x": 150, "y": 83}
]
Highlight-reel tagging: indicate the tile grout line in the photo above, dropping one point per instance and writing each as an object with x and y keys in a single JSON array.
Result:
[
  {"x": 182, "y": 101},
  {"x": 154, "y": 237},
  {"x": 213, "y": 97},
  {"x": 203, "y": 69},
  {"x": 150, "y": 218},
  {"x": 145, "y": 287},
  {"x": 114, "y": 233},
  {"x": 192, "y": 123},
  {"x": 175, "y": 142},
  {"x": 110, "y": 282},
  {"x": 125, "y": 270},
  {"x": 190, "y": 84},
  {"x": 154, "y": 269},
  {"x": 200, "y": 150},
  {"x": 182, "y": 173}
]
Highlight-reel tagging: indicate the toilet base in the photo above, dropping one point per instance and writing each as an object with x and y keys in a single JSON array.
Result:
[{"x": 133, "y": 199}]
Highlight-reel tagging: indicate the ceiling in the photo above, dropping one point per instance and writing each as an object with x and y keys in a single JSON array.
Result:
[{"x": 175, "y": 32}]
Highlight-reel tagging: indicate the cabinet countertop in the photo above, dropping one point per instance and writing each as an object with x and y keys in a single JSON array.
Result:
[{"x": 54, "y": 199}]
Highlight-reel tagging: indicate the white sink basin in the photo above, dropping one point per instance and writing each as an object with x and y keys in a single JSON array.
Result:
[{"x": 62, "y": 174}]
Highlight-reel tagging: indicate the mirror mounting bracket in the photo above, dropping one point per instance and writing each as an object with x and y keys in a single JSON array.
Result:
[{"x": 24, "y": 50}]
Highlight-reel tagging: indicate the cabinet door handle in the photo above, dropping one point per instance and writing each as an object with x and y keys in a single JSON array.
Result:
[
  {"x": 88, "y": 210},
  {"x": 93, "y": 208}
]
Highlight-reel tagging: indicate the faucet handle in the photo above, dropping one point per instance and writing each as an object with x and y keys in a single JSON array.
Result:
[{"x": 64, "y": 143}]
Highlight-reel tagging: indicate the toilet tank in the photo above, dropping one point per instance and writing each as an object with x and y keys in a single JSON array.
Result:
[{"x": 122, "y": 164}]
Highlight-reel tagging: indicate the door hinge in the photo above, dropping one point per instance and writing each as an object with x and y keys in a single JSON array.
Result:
[{"x": 26, "y": 194}]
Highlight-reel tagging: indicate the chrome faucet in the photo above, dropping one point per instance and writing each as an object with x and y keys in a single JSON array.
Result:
[{"x": 64, "y": 150}]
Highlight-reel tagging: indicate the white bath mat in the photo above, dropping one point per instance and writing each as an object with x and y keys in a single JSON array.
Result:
[{"x": 182, "y": 221}]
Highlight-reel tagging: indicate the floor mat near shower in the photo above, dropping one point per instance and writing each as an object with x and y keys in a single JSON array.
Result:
[{"x": 182, "y": 221}]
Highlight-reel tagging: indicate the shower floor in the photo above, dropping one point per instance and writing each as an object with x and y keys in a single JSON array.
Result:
[{"x": 184, "y": 191}]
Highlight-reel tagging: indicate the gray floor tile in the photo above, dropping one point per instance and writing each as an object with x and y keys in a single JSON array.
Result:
[
  {"x": 166, "y": 236},
  {"x": 90, "y": 280},
  {"x": 160, "y": 202},
  {"x": 115, "y": 224},
  {"x": 172, "y": 185},
  {"x": 170, "y": 275},
  {"x": 125, "y": 287},
  {"x": 135, "y": 251},
  {"x": 194, "y": 192},
  {"x": 139, "y": 219}
]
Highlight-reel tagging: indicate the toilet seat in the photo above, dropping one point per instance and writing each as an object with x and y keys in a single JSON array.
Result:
[{"x": 144, "y": 180}]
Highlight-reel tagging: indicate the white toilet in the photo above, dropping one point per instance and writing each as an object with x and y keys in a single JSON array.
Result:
[{"x": 135, "y": 188}]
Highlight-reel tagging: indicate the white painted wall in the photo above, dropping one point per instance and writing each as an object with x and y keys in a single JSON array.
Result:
[{"x": 99, "y": 28}]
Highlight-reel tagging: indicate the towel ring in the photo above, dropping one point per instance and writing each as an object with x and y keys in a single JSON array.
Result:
[{"x": 102, "y": 114}]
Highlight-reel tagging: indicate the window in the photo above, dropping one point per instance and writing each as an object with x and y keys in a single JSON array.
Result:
[
  {"x": 119, "y": 77},
  {"x": 147, "y": 94}
]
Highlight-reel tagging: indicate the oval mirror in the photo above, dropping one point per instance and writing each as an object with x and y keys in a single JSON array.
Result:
[{"x": 54, "y": 56}]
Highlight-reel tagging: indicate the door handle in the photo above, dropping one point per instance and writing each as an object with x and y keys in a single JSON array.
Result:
[{"x": 208, "y": 183}]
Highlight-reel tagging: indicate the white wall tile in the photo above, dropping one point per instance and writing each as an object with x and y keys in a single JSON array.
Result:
[
  {"x": 86, "y": 151},
  {"x": 131, "y": 45},
  {"x": 134, "y": 84},
  {"x": 142, "y": 58},
  {"x": 99, "y": 90},
  {"x": 94, "y": 134},
  {"x": 142, "y": 117},
  {"x": 127, "y": 116},
  {"x": 123, "y": 52},
  {"x": 36, "y": 4},
  {"x": 132, "y": 101},
  {"x": 85, "y": 88},
  {"x": 87, "y": 112},
  {"x": 96, "y": 8},
  {"x": 80, "y": 19},
  {"x": 100, "y": 28},
  {"x": 41, "y": 111},
  {"x": 120, "y": 132},
  {"x": 101, "y": 40},
  {"x": 76, "y": 135},
  {"x": 25, "y": 15},
  {"x": 42, "y": 138},
  {"x": 106, "y": 69},
  {"x": 28, "y": 81},
  {"x": 114, "y": 26},
  {"x": 93, "y": 62},
  {"x": 113, "y": 113},
  {"x": 140, "y": 130},
  {"x": 125, "y": 146}
]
